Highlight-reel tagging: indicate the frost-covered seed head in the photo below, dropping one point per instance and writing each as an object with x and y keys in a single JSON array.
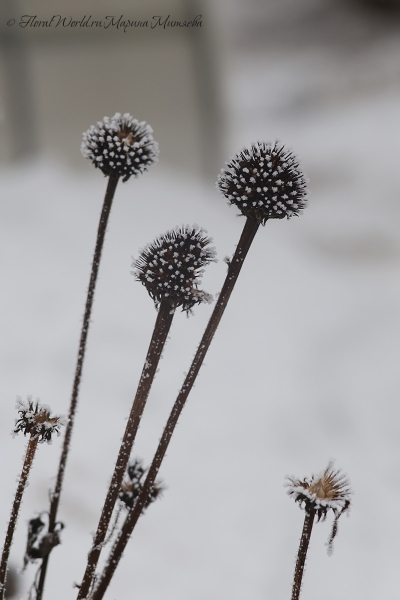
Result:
[
  {"x": 171, "y": 267},
  {"x": 327, "y": 491},
  {"x": 120, "y": 146},
  {"x": 35, "y": 419},
  {"x": 264, "y": 182}
]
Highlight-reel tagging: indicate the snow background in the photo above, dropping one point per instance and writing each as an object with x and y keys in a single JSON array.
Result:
[{"x": 304, "y": 366}]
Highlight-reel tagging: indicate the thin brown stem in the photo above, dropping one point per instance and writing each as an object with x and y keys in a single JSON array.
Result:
[
  {"x": 301, "y": 556},
  {"x": 159, "y": 337},
  {"x": 249, "y": 231},
  {"x": 55, "y": 496},
  {"x": 29, "y": 456}
]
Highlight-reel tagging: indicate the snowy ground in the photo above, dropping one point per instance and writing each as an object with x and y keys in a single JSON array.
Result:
[{"x": 304, "y": 366}]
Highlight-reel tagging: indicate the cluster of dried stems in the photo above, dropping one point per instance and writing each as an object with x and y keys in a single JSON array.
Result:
[{"x": 264, "y": 182}]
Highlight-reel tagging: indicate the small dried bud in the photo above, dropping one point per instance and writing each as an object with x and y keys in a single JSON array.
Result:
[
  {"x": 328, "y": 491},
  {"x": 264, "y": 182},
  {"x": 120, "y": 146},
  {"x": 36, "y": 420},
  {"x": 171, "y": 267},
  {"x": 132, "y": 486},
  {"x": 38, "y": 545}
]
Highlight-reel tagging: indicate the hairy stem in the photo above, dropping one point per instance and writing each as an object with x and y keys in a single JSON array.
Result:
[
  {"x": 55, "y": 496},
  {"x": 249, "y": 231},
  {"x": 159, "y": 337},
  {"x": 29, "y": 456},
  {"x": 301, "y": 556}
]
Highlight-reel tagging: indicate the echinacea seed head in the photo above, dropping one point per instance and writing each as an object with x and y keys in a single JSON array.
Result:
[
  {"x": 171, "y": 267},
  {"x": 264, "y": 182},
  {"x": 328, "y": 491},
  {"x": 120, "y": 146},
  {"x": 35, "y": 419}
]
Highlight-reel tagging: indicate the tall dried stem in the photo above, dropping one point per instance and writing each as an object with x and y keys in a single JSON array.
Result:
[
  {"x": 29, "y": 456},
  {"x": 249, "y": 231},
  {"x": 302, "y": 553},
  {"x": 159, "y": 337},
  {"x": 55, "y": 496}
]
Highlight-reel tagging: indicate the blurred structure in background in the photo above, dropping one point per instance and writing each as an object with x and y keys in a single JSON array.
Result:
[{"x": 56, "y": 82}]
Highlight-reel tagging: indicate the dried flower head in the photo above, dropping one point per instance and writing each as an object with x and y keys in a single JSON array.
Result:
[
  {"x": 132, "y": 486},
  {"x": 35, "y": 419},
  {"x": 120, "y": 146},
  {"x": 265, "y": 182},
  {"x": 171, "y": 267},
  {"x": 327, "y": 491}
]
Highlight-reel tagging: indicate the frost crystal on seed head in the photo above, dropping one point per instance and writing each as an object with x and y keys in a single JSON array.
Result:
[
  {"x": 264, "y": 182},
  {"x": 171, "y": 267},
  {"x": 35, "y": 419},
  {"x": 120, "y": 146}
]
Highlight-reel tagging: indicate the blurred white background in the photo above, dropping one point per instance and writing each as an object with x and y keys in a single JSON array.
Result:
[{"x": 304, "y": 366}]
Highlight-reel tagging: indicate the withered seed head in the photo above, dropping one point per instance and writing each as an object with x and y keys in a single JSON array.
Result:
[
  {"x": 35, "y": 419},
  {"x": 120, "y": 146},
  {"x": 264, "y": 182},
  {"x": 171, "y": 267},
  {"x": 132, "y": 486},
  {"x": 319, "y": 494},
  {"x": 327, "y": 491}
]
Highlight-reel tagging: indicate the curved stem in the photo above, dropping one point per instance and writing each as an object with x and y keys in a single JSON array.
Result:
[
  {"x": 249, "y": 231},
  {"x": 301, "y": 556},
  {"x": 159, "y": 337},
  {"x": 29, "y": 456},
  {"x": 55, "y": 496}
]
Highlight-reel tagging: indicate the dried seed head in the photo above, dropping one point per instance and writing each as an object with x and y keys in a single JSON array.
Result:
[
  {"x": 327, "y": 491},
  {"x": 35, "y": 419},
  {"x": 132, "y": 486},
  {"x": 120, "y": 146},
  {"x": 264, "y": 182},
  {"x": 171, "y": 267}
]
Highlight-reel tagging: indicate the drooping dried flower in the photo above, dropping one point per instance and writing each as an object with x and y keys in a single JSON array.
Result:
[
  {"x": 35, "y": 419},
  {"x": 327, "y": 491},
  {"x": 38, "y": 544},
  {"x": 132, "y": 486},
  {"x": 171, "y": 267},
  {"x": 264, "y": 182},
  {"x": 120, "y": 146}
]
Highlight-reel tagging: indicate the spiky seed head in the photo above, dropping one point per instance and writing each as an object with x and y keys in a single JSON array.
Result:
[
  {"x": 35, "y": 419},
  {"x": 171, "y": 267},
  {"x": 329, "y": 490},
  {"x": 264, "y": 182},
  {"x": 120, "y": 146}
]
